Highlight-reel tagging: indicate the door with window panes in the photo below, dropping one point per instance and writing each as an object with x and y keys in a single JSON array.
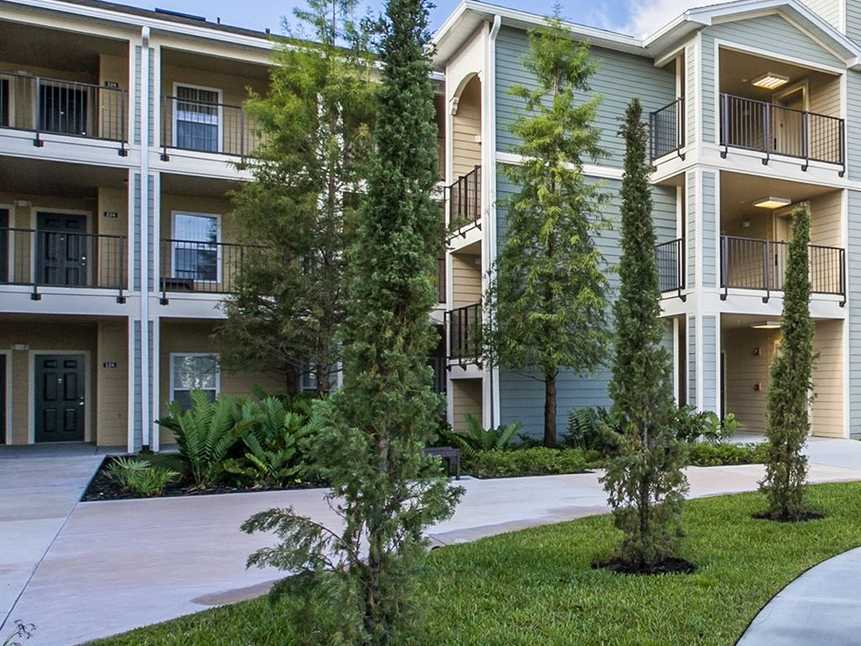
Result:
[
  {"x": 198, "y": 119},
  {"x": 195, "y": 256}
]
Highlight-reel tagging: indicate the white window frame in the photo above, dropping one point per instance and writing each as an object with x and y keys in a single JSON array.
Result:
[
  {"x": 218, "y": 248},
  {"x": 173, "y": 358},
  {"x": 175, "y": 119}
]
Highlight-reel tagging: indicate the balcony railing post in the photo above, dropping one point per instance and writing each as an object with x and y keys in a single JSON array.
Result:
[
  {"x": 842, "y": 147},
  {"x": 765, "y": 264},
  {"x": 766, "y": 132},
  {"x": 37, "y": 99},
  {"x": 724, "y": 124}
]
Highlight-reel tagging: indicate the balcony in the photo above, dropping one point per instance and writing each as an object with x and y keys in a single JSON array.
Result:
[
  {"x": 464, "y": 199},
  {"x": 191, "y": 266},
  {"x": 50, "y": 106},
  {"x": 749, "y": 263},
  {"x": 464, "y": 333},
  {"x": 40, "y": 258},
  {"x": 670, "y": 259},
  {"x": 207, "y": 127},
  {"x": 667, "y": 129},
  {"x": 773, "y": 129}
]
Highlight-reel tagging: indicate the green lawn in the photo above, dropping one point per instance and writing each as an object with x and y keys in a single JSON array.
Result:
[{"x": 537, "y": 586}]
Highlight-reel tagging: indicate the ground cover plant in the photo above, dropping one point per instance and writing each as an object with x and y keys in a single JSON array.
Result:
[
  {"x": 538, "y": 585},
  {"x": 227, "y": 445}
]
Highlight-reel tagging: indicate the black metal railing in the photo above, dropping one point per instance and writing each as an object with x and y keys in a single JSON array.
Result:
[
  {"x": 207, "y": 127},
  {"x": 42, "y": 258},
  {"x": 194, "y": 266},
  {"x": 45, "y": 105},
  {"x": 464, "y": 332},
  {"x": 667, "y": 129},
  {"x": 670, "y": 258},
  {"x": 464, "y": 199},
  {"x": 776, "y": 130},
  {"x": 748, "y": 263}
]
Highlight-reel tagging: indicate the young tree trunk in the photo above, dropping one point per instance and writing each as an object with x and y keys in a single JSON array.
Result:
[{"x": 550, "y": 410}]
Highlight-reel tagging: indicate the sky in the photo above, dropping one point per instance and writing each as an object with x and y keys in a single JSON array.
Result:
[{"x": 635, "y": 17}]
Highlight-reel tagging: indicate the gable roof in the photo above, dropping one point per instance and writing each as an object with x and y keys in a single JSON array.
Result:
[{"x": 471, "y": 13}]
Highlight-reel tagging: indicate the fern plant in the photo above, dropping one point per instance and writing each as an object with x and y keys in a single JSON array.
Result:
[
  {"x": 140, "y": 477},
  {"x": 273, "y": 441},
  {"x": 205, "y": 434},
  {"x": 477, "y": 438}
]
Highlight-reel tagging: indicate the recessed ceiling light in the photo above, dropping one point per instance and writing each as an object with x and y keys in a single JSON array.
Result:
[
  {"x": 767, "y": 325},
  {"x": 770, "y": 80},
  {"x": 772, "y": 202}
]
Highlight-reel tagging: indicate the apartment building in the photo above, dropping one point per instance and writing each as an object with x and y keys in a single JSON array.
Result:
[
  {"x": 122, "y": 132},
  {"x": 753, "y": 109}
]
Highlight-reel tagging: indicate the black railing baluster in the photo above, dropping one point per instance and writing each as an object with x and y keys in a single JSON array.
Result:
[{"x": 667, "y": 129}]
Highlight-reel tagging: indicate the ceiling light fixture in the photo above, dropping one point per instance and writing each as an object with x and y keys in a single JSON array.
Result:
[
  {"x": 767, "y": 325},
  {"x": 772, "y": 202},
  {"x": 770, "y": 81}
]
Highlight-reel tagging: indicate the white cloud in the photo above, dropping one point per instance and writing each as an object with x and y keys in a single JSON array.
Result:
[{"x": 649, "y": 15}]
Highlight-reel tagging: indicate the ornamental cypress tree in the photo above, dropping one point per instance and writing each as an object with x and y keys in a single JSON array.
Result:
[
  {"x": 314, "y": 139},
  {"x": 644, "y": 482},
  {"x": 373, "y": 430},
  {"x": 791, "y": 388},
  {"x": 547, "y": 295}
]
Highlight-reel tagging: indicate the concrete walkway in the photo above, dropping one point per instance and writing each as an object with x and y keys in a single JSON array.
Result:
[
  {"x": 821, "y": 607},
  {"x": 85, "y": 570}
]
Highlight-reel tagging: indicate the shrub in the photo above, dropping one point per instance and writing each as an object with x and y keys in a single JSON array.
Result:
[
  {"x": 524, "y": 462},
  {"x": 140, "y": 477},
  {"x": 205, "y": 434},
  {"x": 712, "y": 455},
  {"x": 273, "y": 441},
  {"x": 692, "y": 425},
  {"x": 590, "y": 429},
  {"x": 476, "y": 438}
]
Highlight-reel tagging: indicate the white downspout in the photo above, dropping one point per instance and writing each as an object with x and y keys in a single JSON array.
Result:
[{"x": 143, "y": 269}]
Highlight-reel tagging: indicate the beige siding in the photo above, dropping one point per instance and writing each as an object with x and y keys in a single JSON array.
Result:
[
  {"x": 233, "y": 88},
  {"x": 466, "y": 279},
  {"x": 466, "y": 400},
  {"x": 195, "y": 336},
  {"x": 748, "y": 354},
  {"x": 112, "y": 384},
  {"x": 45, "y": 335},
  {"x": 827, "y": 410},
  {"x": 466, "y": 130},
  {"x": 826, "y": 216}
]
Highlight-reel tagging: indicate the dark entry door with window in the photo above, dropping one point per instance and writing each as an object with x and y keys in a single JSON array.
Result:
[
  {"x": 60, "y": 398},
  {"x": 63, "y": 109},
  {"x": 62, "y": 249}
]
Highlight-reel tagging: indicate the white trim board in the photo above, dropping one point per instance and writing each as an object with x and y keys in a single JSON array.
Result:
[{"x": 591, "y": 170}]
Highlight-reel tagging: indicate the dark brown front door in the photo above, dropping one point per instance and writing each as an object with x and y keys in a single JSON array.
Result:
[{"x": 60, "y": 397}]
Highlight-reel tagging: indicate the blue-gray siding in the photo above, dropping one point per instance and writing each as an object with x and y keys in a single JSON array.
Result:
[
  {"x": 691, "y": 205},
  {"x": 709, "y": 358},
  {"x": 770, "y": 33},
  {"x": 136, "y": 217},
  {"x": 521, "y": 395},
  {"x": 691, "y": 341},
  {"x": 618, "y": 79},
  {"x": 853, "y": 123},
  {"x": 136, "y": 106},
  {"x": 853, "y": 19},
  {"x": 137, "y": 380},
  {"x": 710, "y": 218},
  {"x": 854, "y": 305}
]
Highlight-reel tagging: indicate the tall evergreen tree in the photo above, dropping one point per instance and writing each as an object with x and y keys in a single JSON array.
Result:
[
  {"x": 548, "y": 292},
  {"x": 791, "y": 388},
  {"x": 314, "y": 140},
  {"x": 644, "y": 482},
  {"x": 373, "y": 430}
]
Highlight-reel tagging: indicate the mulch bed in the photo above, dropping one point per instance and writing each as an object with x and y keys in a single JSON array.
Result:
[
  {"x": 667, "y": 566},
  {"x": 103, "y": 487}
]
